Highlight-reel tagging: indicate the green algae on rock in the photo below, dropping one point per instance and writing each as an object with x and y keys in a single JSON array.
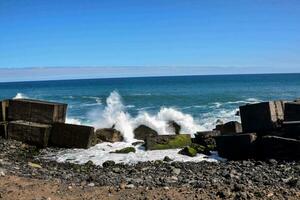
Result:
[{"x": 168, "y": 142}]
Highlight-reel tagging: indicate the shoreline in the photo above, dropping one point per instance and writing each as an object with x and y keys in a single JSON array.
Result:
[{"x": 230, "y": 179}]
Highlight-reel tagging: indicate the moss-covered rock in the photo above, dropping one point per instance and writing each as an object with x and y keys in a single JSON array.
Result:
[
  {"x": 201, "y": 149},
  {"x": 188, "y": 151},
  {"x": 125, "y": 150},
  {"x": 168, "y": 142}
]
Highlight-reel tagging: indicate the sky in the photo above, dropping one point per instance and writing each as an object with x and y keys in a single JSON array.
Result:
[{"x": 115, "y": 38}]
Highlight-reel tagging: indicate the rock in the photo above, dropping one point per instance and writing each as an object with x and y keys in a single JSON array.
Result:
[
  {"x": 237, "y": 147},
  {"x": 279, "y": 148},
  {"x": 34, "y": 165},
  {"x": 129, "y": 186},
  {"x": 229, "y": 128},
  {"x": 138, "y": 143},
  {"x": 292, "y": 111},
  {"x": 108, "y": 163},
  {"x": 71, "y": 136},
  {"x": 176, "y": 171},
  {"x": 29, "y": 132},
  {"x": 168, "y": 142},
  {"x": 206, "y": 138},
  {"x": 142, "y": 132},
  {"x": 262, "y": 118},
  {"x": 202, "y": 149},
  {"x": 188, "y": 151},
  {"x": 107, "y": 135},
  {"x": 175, "y": 127},
  {"x": 91, "y": 184},
  {"x": 167, "y": 159},
  {"x": 125, "y": 150}
]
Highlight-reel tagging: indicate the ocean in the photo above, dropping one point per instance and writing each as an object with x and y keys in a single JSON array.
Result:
[{"x": 194, "y": 102}]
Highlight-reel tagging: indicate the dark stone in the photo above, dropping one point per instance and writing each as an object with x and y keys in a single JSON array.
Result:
[
  {"x": 125, "y": 150},
  {"x": 142, "y": 132},
  {"x": 71, "y": 136},
  {"x": 188, "y": 151},
  {"x": 206, "y": 138},
  {"x": 262, "y": 118},
  {"x": 237, "y": 146},
  {"x": 168, "y": 141},
  {"x": 137, "y": 143},
  {"x": 175, "y": 127},
  {"x": 202, "y": 149},
  {"x": 291, "y": 129},
  {"x": 29, "y": 132},
  {"x": 292, "y": 111},
  {"x": 229, "y": 128},
  {"x": 108, "y": 163},
  {"x": 167, "y": 159},
  {"x": 36, "y": 111},
  {"x": 279, "y": 148},
  {"x": 107, "y": 135}
]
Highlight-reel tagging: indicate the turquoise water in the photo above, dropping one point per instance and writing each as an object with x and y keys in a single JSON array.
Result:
[{"x": 204, "y": 98}]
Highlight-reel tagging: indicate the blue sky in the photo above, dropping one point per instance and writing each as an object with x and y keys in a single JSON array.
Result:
[{"x": 221, "y": 35}]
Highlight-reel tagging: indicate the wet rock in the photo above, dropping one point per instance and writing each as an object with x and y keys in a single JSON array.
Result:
[
  {"x": 202, "y": 149},
  {"x": 229, "y": 128},
  {"x": 142, "y": 132},
  {"x": 125, "y": 150},
  {"x": 107, "y": 135},
  {"x": 206, "y": 138},
  {"x": 167, "y": 159},
  {"x": 175, "y": 127},
  {"x": 108, "y": 163},
  {"x": 168, "y": 142},
  {"x": 188, "y": 151}
]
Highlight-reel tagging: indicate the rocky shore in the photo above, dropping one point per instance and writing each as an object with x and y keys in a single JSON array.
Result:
[{"x": 164, "y": 179}]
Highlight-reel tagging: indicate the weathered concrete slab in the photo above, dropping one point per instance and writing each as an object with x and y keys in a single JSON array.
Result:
[
  {"x": 107, "y": 135},
  {"x": 142, "y": 132},
  {"x": 279, "y": 148},
  {"x": 237, "y": 146},
  {"x": 36, "y": 111},
  {"x": 168, "y": 141},
  {"x": 3, "y": 129},
  {"x": 230, "y": 128},
  {"x": 71, "y": 136},
  {"x": 292, "y": 111},
  {"x": 262, "y": 117},
  {"x": 206, "y": 138},
  {"x": 29, "y": 132},
  {"x": 3, "y": 110},
  {"x": 291, "y": 129}
]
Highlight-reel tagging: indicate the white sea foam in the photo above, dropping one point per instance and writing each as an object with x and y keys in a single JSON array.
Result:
[
  {"x": 70, "y": 120},
  {"x": 102, "y": 152},
  {"x": 20, "y": 96}
]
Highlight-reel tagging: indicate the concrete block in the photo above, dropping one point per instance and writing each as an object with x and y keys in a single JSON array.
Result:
[
  {"x": 279, "y": 148},
  {"x": 168, "y": 141},
  {"x": 262, "y": 117},
  {"x": 142, "y": 132},
  {"x": 292, "y": 111},
  {"x": 237, "y": 146},
  {"x": 230, "y": 128},
  {"x": 206, "y": 138},
  {"x": 36, "y": 111},
  {"x": 29, "y": 132},
  {"x": 3, "y": 110},
  {"x": 107, "y": 135},
  {"x": 291, "y": 129},
  {"x": 3, "y": 129},
  {"x": 71, "y": 136}
]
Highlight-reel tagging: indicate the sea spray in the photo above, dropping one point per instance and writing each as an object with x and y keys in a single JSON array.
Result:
[
  {"x": 115, "y": 115},
  {"x": 20, "y": 96}
]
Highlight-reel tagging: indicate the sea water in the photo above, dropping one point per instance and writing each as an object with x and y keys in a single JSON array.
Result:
[{"x": 194, "y": 102}]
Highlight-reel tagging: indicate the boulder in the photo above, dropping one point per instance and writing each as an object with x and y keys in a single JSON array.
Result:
[
  {"x": 36, "y": 111},
  {"x": 175, "y": 127},
  {"x": 291, "y": 129},
  {"x": 292, "y": 111},
  {"x": 168, "y": 142},
  {"x": 206, "y": 138},
  {"x": 107, "y": 135},
  {"x": 29, "y": 132},
  {"x": 125, "y": 150},
  {"x": 202, "y": 149},
  {"x": 279, "y": 148},
  {"x": 237, "y": 146},
  {"x": 142, "y": 132},
  {"x": 188, "y": 151},
  {"x": 262, "y": 117},
  {"x": 229, "y": 128},
  {"x": 71, "y": 136}
]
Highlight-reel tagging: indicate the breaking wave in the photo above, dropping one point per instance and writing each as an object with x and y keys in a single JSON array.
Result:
[{"x": 20, "y": 96}]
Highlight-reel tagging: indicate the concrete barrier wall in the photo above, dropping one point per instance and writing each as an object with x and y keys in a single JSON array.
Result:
[
  {"x": 71, "y": 136},
  {"x": 36, "y": 111},
  {"x": 292, "y": 111},
  {"x": 29, "y": 132}
]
